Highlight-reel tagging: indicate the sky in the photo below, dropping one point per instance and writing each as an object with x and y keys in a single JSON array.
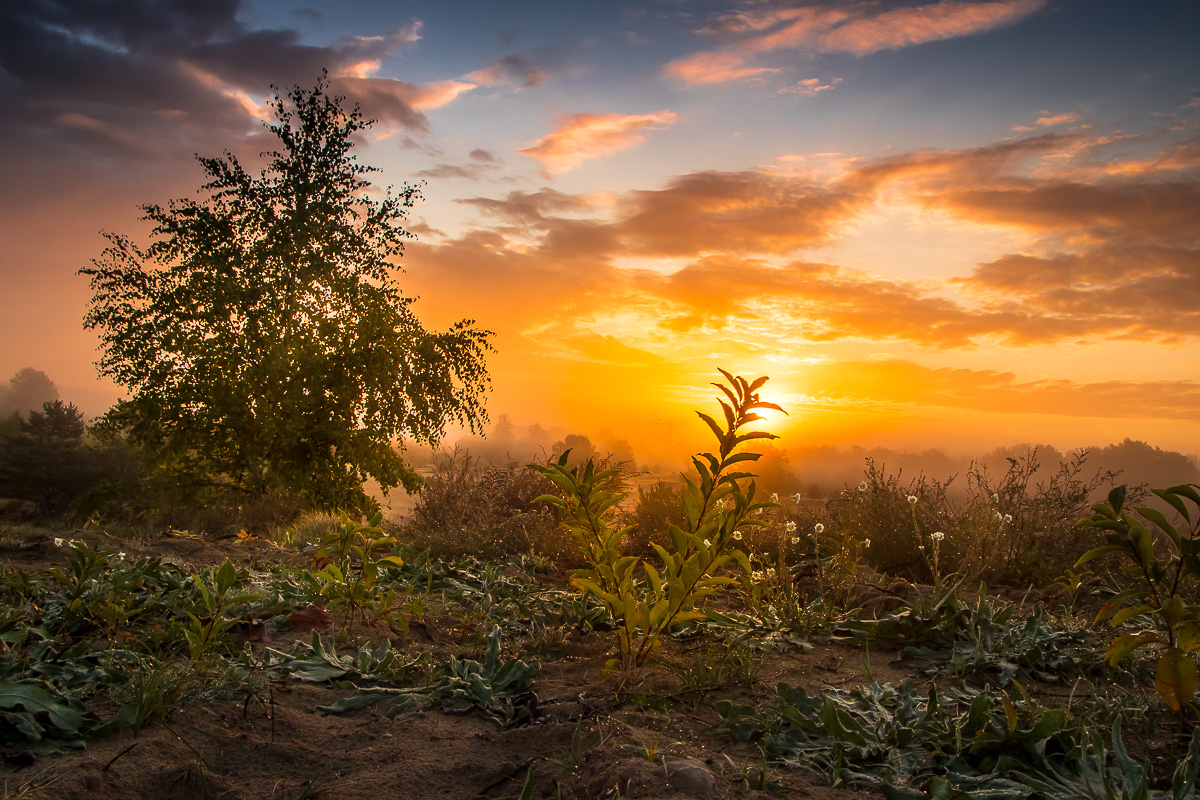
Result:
[{"x": 932, "y": 224}]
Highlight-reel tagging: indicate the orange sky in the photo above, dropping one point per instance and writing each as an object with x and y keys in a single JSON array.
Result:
[{"x": 955, "y": 225}]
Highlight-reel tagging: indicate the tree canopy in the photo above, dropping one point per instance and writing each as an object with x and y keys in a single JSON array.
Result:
[
  {"x": 27, "y": 391},
  {"x": 262, "y": 335}
]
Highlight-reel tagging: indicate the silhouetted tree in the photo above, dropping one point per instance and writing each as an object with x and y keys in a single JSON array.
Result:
[
  {"x": 27, "y": 391},
  {"x": 262, "y": 337},
  {"x": 46, "y": 460}
]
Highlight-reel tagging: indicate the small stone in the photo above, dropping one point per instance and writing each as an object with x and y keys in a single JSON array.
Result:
[{"x": 691, "y": 777}]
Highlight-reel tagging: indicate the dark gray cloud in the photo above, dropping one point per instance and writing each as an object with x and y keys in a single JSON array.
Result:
[{"x": 162, "y": 78}]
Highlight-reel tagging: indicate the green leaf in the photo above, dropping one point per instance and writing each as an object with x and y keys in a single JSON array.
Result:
[
  {"x": 1175, "y": 501},
  {"x": 353, "y": 703},
  {"x": 1116, "y": 498},
  {"x": 712, "y": 423},
  {"x": 1157, "y": 517},
  {"x": 36, "y": 700},
  {"x": 1124, "y": 645},
  {"x": 1175, "y": 678},
  {"x": 1099, "y": 552}
]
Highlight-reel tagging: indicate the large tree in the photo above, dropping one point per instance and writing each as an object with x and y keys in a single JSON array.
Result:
[
  {"x": 27, "y": 391},
  {"x": 262, "y": 336}
]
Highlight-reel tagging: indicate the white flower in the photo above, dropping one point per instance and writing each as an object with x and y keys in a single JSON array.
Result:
[
  {"x": 937, "y": 536},
  {"x": 771, "y": 572},
  {"x": 797, "y": 497},
  {"x": 819, "y": 528},
  {"x": 1008, "y": 517},
  {"x": 995, "y": 498},
  {"x": 774, "y": 497},
  {"x": 120, "y": 556},
  {"x": 737, "y": 535},
  {"x": 866, "y": 542},
  {"x": 795, "y": 540},
  {"x": 862, "y": 487},
  {"x": 58, "y": 542},
  {"x": 707, "y": 543},
  {"x": 999, "y": 515},
  {"x": 756, "y": 575},
  {"x": 912, "y": 499},
  {"x": 790, "y": 526}
]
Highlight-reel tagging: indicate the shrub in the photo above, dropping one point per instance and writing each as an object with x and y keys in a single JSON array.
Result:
[
  {"x": 468, "y": 508},
  {"x": 658, "y": 506}
]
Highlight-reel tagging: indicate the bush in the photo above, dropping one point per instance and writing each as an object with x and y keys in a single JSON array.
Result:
[
  {"x": 1008, "y": 530},
  {"x": 468, "y": 508},
  {"x": 657, "y": 506}
]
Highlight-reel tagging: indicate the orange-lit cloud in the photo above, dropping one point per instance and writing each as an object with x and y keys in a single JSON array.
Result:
[
  {"x": 396, "y": 103},
  {"x": 716, "y": 67},
  {"x": 1119, "y": 258},
  {"x": 580, "y": 137},
  {"x": 989, "y": 391},
  {"x": 859, "y": 28},
  {"x": 810, "y": 86},
  {"x": 1048, "y": 120}
]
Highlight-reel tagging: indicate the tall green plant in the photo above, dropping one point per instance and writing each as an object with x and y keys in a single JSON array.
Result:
[
  {"x": 715, "y": 510},
  {"x": 1157, "y": 591}
]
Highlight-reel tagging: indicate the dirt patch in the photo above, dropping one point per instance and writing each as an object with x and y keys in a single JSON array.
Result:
[{"x": 584, "y": 746}]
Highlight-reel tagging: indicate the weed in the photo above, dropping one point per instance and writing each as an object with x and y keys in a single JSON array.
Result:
[
  {"x": 1158, "y": 590},
  {"x": 715, "y": 509}
]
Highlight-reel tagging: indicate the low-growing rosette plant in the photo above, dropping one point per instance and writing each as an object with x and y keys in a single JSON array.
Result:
[
  {"x": 716, "y": 508},
  {"x": 1159, "y": 583}
]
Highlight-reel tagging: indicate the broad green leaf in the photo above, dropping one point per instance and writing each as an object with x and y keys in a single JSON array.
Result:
[
  {"x": 712, "y": 423},
  {"x": 1124, "y": 645},
  {"x": 1175, "y": 678},
  {"x": 36, "y": 700},
  {"x": 1175, "y": 501},
  {"x": 1116, "y": 498},
  {"x": 1126, "y": 614},
  {"x": 1157, "y": 517}
]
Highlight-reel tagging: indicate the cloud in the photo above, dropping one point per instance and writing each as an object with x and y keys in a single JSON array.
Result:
[
  {"x": 1113, "y": 257},
  {"x": 810, "y": 86},
  {"x": 150, "y": 79},
  {"x": 858, "y": 28},
  {"x": 743, "y": 212},
  {"x": 580, "y": 137},
  {"x": 717, "y": 67},
  {"x": 993, "y": 392},
  {"x": 516, "y": 69},
  {"x": 1048, "y": 120}
]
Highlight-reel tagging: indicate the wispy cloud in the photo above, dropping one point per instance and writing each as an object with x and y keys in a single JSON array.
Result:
[
  {"x": 858, "y": 28},
  {"x": 516, "y": 69},
  {"x": 1048, "y": 120},
  {"x": 580, "y": 137},
  {"x": 715, "y": 67}
]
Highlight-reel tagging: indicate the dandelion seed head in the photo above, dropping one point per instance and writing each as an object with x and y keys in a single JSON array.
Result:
[
  {"x": 819, "y": 528},
  {"x": 795, "y": 540},
  {"x": 912, "y": 499},
  {"x": 862, "y": 487},
  {"x": 1008, "y": 517},
  {"x": 937, "y": 536},
  {"x": 737, "y": 535},
  {"x": 790, "y": 526}
]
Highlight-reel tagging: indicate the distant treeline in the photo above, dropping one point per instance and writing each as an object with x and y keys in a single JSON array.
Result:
[{"x": 819, "y": 472}]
